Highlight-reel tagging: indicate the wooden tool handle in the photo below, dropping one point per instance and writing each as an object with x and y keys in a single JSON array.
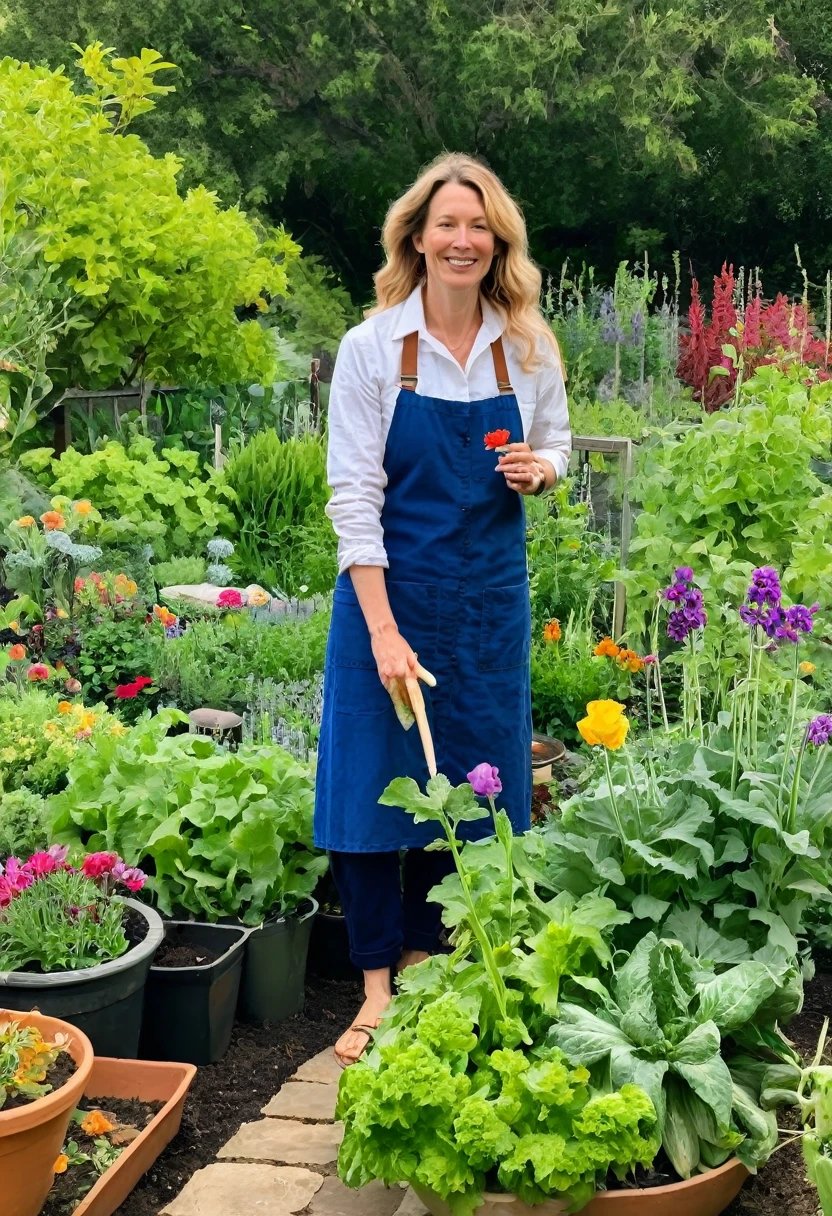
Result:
[{"x": 417, "y": 702}]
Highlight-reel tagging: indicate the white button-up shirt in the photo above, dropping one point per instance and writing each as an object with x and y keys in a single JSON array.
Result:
[{"x": 365, "y": 387}]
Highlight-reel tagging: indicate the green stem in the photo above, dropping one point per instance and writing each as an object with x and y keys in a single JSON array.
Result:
[
  {"x": 796, "y": 782},
  {"x": 697, "y": 691},
  {"x": 787, "y": 748},
  {"x": 755, "y": 710},
  {"x": 614, "y": 802},
  {"x": 477, "y": 926},
  {"x": 509, "y": 866}
]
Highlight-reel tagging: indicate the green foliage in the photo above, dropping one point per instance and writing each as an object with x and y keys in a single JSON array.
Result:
[
  {"x": 180, "y": 571},
  {"x": 225, "y": 833},
  {"x": 317, "y": 311},
  {"x": 62, "y": 922},
  {"x": 168, "y": 501},
  {"x": 566, "y": 676},
  {"x": 214, "y": 661},
  {"x": 325, "y": 116},
  {"x": 115, "y": 652},
  {"x": 660, "y": 1027},
  {"x": 738, "y": 490},
  {"x": 22, "y": 823},
  {"x": 279, "y": 495},
  {"x": 150, "y": 280}
]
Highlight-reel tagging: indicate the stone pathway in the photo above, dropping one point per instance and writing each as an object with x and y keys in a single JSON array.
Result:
[{"x": 285, "y": 1163}]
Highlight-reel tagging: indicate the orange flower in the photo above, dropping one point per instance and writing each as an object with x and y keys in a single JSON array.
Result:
[
  {"x": 629, "y": 660},
  {"x": 17, "y": 652},
  {"x": 164, "y": 615},
  {"x": 552, "y": 631},
  {"x": 607, "y": 648},
  {"x": 53, "y": 521},
  {"x": 25, "y": 521},
  {"x": 806, "y": 668},
  {"x": 64, "y": 707},
  {"x": 83, "y": 506},
  {"x": 96, "y": 1124},
  {"x": 60, "y": 1165}
]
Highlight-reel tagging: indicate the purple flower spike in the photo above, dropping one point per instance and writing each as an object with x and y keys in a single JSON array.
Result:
[
  {"x": 684, "y": 574},
  {"x": 485, "y": 780},
  {"x": 765, "y": 587},
  {"x": 800, "y": 617},
  {"x": 820, "y": 730}
]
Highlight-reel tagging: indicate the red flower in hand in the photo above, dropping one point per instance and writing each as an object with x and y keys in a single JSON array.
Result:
[{"x": 497, "y": 439}]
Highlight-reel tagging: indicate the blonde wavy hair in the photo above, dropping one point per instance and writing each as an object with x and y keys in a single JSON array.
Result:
[{"x": 512, "y": 285}]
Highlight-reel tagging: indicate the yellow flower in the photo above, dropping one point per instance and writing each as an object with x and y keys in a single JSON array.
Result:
[
  {"x": 60, "y": 1165},
  {"x": 50, "y": 729},
  {"x": 552, "y": 632},
  {"x": 132, "y": 587},
  {"x": 807, "y": 669},
  {"x": 87, "y": 720},
  {"x": 61, "y": 614},
  {"x": 64, "y": 707},
  {"x": 83, "y": 506},
  {"x": 117, "y": 728},
  {"x": 607, "y": 648},
  {"x": 14, "y": 626},
  {"x": 257, "y": 598},
  {"x": 8, "y": 755},
  {"x": 604, "y": 725},
  {"x": 26, "y": 521}
]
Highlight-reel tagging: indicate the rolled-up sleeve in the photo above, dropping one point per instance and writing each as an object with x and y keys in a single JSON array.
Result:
[
  {"x": 550, "y": 436},
  {"x": 355, "y": 469}
]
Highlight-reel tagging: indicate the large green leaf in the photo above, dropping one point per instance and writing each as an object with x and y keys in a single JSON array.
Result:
[{"x": 731, "y": 999}]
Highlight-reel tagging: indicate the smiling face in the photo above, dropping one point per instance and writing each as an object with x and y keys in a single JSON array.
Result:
[{"x": 457, "y": 242}]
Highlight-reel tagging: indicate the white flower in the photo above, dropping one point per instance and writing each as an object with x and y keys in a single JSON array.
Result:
[{"x": 219, "y": 547}]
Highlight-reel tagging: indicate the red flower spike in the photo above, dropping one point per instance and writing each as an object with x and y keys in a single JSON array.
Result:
[{"x": 497, "y": 439}]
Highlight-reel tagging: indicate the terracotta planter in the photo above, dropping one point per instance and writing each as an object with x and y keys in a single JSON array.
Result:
[
  {"x": 148, "y": 1081},
  {"x": 31, "y": 1136},
  {"x": 705, "y": 1195}
]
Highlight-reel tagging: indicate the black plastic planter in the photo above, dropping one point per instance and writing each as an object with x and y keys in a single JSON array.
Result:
[
  {"x": 329, "y": 948},
  {"x": 275, "y": 966},
  {"x": 189, "y": 1011},
  {"x": 105, "y": 1001}
]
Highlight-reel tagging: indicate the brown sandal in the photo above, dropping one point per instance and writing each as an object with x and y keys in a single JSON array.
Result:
[{"x": 369, "y": 1031}]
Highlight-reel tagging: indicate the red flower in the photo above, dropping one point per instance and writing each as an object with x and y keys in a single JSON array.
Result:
[
  {"x": 126, "y": 692},
  {"x": 96, "y": 864},
  {"x": 229, "y": 598},
  {"x": 38, "y": 671},
  {"x": 143, "y": 681},
  {"x": 496, "y": 439}
]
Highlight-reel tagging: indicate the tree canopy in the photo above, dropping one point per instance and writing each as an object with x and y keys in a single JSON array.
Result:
[{"x": 619, "y": 125}]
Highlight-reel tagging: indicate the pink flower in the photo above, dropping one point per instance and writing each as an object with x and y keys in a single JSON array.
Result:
[
  {"x": 95, "y": 865},
  {"x": 18, "y": 875},
  {"x": 132, "y": 877},
  {"x": 42, "y": 863},
  {"x": 38, "y": 671},
  {"x": 485, "y": 780},
  {"x": 229, "y": 598},
  {"x": 6, "y": 893}
]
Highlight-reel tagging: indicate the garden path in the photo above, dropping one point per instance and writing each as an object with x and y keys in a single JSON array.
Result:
[{"x": 285, "y": 1163}]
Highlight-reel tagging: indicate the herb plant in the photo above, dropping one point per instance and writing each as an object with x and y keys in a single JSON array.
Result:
[{"x": 25, "y": 1060}]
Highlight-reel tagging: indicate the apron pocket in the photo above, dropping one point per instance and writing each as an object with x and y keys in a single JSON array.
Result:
[{"x": 505, "y": 634}]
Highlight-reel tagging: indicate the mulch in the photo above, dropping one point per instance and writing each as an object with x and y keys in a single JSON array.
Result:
[{"x": 261, "y": 1058}]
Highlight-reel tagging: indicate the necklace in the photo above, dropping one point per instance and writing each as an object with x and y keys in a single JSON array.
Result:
[{"x": 453, "y": 349}]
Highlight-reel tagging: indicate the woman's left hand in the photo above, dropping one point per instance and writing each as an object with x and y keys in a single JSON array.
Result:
[{"x": 523, "y": 471}]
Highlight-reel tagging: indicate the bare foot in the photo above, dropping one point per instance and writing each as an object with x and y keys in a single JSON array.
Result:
[
  {"x": 353, "y": 1042},
  {"x": 410, "y": 958}
]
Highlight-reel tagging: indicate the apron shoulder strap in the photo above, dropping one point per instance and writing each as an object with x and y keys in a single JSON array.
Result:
[
  {"x": 500, "y": 368},
  {"x": 410, "y": 351}
]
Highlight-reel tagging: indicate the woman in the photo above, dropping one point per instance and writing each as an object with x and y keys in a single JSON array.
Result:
[{"x": 431, "y": 548}]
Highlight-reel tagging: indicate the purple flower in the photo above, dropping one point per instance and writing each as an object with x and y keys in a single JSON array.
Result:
[
  {"x": 820, "y": 730},
  {"x": 611, "y": 330},
  {"x": 132, "y": 877},
  {"x": 689, "y": 612},
  {"x": 765, "y": 587},
  {"x": 800, "y": 617},
  {"x": 684, "y": 574},
  {"x": 677, "y": 627},
  {"x": 753, "y": 616},
  {"x": 638, "y": 327},
  {"x": 676, "y": 593},
  {"x": 485, "y": 780}
]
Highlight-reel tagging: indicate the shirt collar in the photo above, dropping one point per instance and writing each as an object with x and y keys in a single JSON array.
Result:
[{"x": 412, "y": 320}]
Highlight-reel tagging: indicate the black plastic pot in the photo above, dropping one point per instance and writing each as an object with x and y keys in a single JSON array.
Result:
[
  {"x": 189, "y": 1011},
  {"x": 329, "y": 948},
  {"x": 275, "y": 966},
  {"x": 106, "y": 1001}
]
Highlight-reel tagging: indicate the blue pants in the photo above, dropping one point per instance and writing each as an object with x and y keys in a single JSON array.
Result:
[{"x": 385, "y": 903}]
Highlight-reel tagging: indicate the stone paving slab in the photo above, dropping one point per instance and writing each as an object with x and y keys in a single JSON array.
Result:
[
  {"x": 411, "y": 1205},
  {"x": 303, "y": 1100},
  {"x": 245, "y": 1190},
  {"x": 375, "y": 1199},
  {"x": 323, "y": 1069},
  {"x": 285, "y": 1142}
]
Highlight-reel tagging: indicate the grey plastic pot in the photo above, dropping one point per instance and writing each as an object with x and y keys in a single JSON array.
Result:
[
  {"x": 275, "y": 968},
  {"x": 105, "y": 1001}
]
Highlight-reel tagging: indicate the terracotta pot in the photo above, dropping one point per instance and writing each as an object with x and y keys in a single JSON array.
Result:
[
  {"x": 32, "y": 1136},
  {"x": 149, "y": 1081},
  {"x": 705, "y": 1195}
]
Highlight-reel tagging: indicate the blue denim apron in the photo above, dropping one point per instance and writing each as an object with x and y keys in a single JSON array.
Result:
[{"x": 458, "y": 588}]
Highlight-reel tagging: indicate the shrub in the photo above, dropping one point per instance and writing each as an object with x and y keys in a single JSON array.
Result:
[
  {"x": 180, "y": 571},
  {"x": 22, "y": 823}
]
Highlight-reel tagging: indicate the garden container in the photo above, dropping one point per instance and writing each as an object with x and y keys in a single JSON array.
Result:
[
  {"x": 148, "y": 1081},
  {"x": 705, "y": 1195},
  {"x": 105, "y": 1001},
  {"x": 275, "y": 968},
  {"x": 329, "y": 948},
  {"x": 189, "y": 1011},
  {"x": 32, "y": 1136},
  {"x": 546, "y": 751}
]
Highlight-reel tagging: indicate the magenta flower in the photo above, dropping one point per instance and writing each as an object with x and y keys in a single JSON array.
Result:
[
  {"x": 18, "y": 875},
  {"x": 42, "y": 864},
  {"x": 132, "y": 877},
  {"x": 229, "y": 598},
  {"x": 688, "y": 612},
  {"x": 650, "y": 659},
  {"x": 820, "y": 730},
  {"x": 95, "y": 865},
  {"x": 6, "y": 893},
  {"x": 485, "y": 780}
]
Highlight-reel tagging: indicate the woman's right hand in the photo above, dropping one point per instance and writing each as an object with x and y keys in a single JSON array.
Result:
[{"x": 394, "y": 658}]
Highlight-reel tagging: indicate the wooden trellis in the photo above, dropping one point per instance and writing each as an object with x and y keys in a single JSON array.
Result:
[{"x": 622, "y": 450}]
